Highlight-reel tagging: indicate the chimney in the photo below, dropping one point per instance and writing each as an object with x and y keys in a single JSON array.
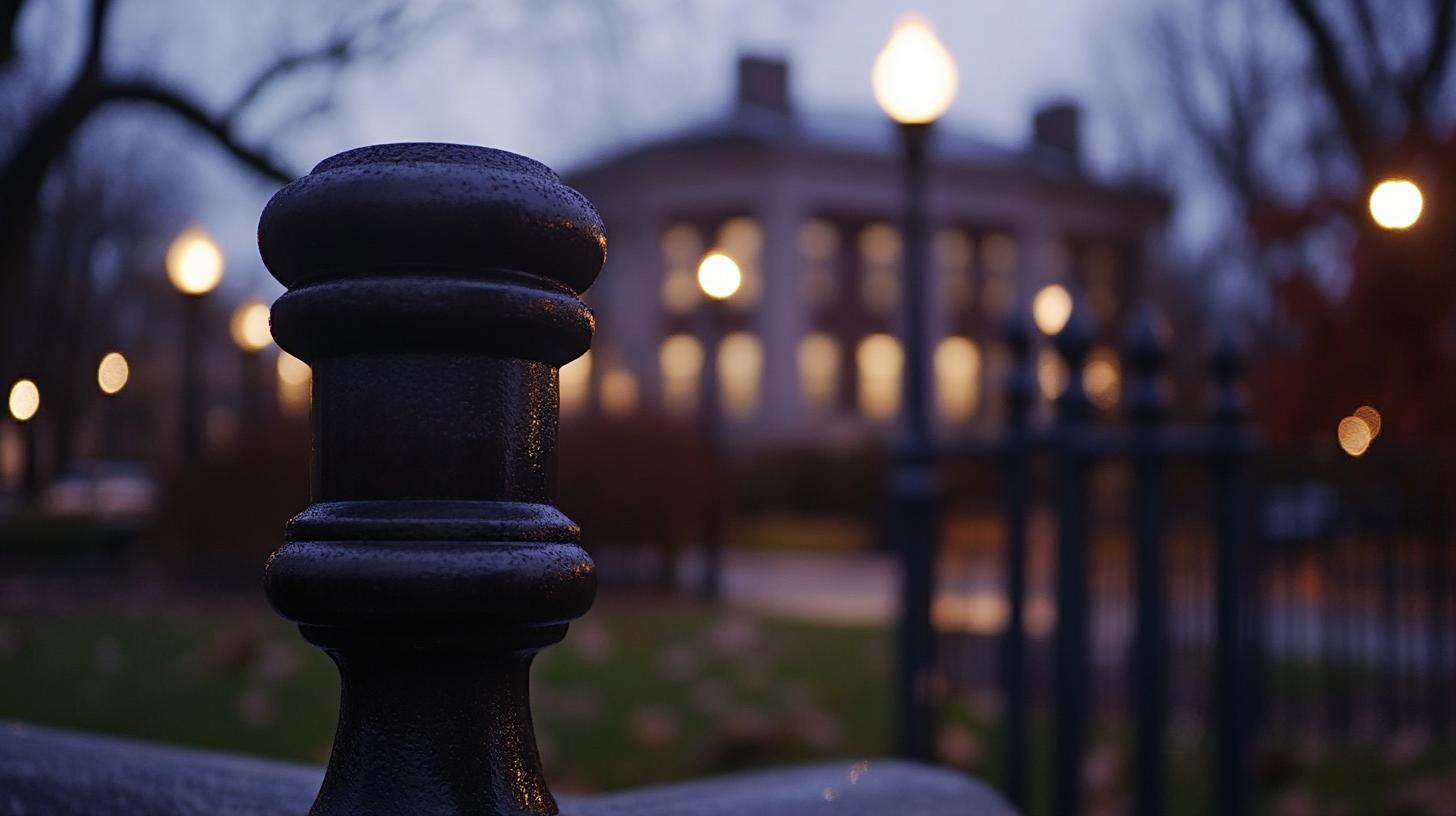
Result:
[
  {"x": 763, "y": 83},
  {"x": 1056, "y": 131}
]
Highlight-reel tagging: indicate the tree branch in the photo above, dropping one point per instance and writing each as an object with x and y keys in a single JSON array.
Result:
[
  {"x": 1432, "y": 73},
  {"x": 96, "y": 38},
  {"x": 9, "y": 19},
  {"x": 1335, "y": 81},
  {"x": 334, "y": 52},
  {"x": 218, "y": 130}
]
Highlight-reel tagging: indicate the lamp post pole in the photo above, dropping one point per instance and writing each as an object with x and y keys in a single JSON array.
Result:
[
  {"x": 194, "y": 266},
  {"x": 191, "y": 421},
  {"x": 915, "y": 493},
  {"x": 914, "y": 80},
  {"x": 711, "y": 589},
  {"x": 719, "y": 278}
]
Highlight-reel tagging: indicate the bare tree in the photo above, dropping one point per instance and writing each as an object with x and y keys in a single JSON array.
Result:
[
  {"x": 1292, "y": 111},
  {"x": 45, "y": 122}
]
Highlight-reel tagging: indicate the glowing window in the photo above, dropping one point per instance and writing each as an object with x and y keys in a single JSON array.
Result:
[
  {"x": 879, "y": 249},
  {"x": 1051, "y": 373},
  {"x": 1000, "y": 256},
  {"x": 1099, "y": 264},
  {"x": 957, "y": 363},
  {"x": 618, "y": 392},
  {"x": 819, "y": 370},
  {"x": 878, "y": 359},
  {"x": 819, "y": 246},
  {"x": 575, "y": 379},
  {"x": 680, "y": 359},
  {"x": 1102, "y": 377},
  {"x": 742, "y": 240},
  {"x": 682, "y": 248},
  {"x": 953, "y": 260},
  {"x": 740, "y": 373}
]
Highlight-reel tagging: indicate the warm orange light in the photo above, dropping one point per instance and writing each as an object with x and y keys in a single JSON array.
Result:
[
  {"x": 1396, "y": 204},
  {"x": 194, "y": 263},
  {"x": 24, "y": 399},
  {"x": 914, "y": 76},
  {"x": 1052, "y": 308},
  {"x": 1354, "y": 435},
  {"x": 1371, "y": 418},
  {"x": 112, "y": 373},
  {"x": 249, "y": 326},
  {"x": 719, "y": 276}
]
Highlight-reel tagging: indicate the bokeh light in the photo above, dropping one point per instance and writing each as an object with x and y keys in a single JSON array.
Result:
[
  {"x": 1354, "y": 435},
  {"x": 719, "y": 276},
  {"x": 1396, "y": 203},
  {"x": 112, "y": 373},
  {"x": 1052, "y": 308},
  {"x": 914, "y": 76},
  {"x": 249, "y": 326},
  {"x": 1372, "y": 418},
  {"x": 24, "y": 399},
  {"x": 194, "y": 263}
]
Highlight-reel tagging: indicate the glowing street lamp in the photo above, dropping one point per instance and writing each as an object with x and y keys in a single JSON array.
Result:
[
  {"x": 251, "y": 334},
  {"x": 1396, "y": 204},
  {"x": 914, "y": 80},
  {"x": 195, "y": 267},
  {"x": 24, "y": 400},
  {"x": 24, "y": 403},
  {"x": 249, "y": 326},
  {"x": 720, "y": 278},
  {"x": 112, "y": 373},
  {"x": 914, "y": 77},
  {"x": 194, "y": 263},
  {"x": 1051, "y": 309}
]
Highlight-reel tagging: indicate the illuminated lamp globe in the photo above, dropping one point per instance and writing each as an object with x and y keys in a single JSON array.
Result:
[
  {"x": 1051, "y": 309},
  {"x": 249, "y": 326},
  {"x": 1396, "y": 204},
  {"x": 24, "y": 400},
  {"x": 194, "y": 263},
  {"x": 112, "y": 373},
  {"x": 719, "y": 276},
  {"x": 914, "y": 76}
]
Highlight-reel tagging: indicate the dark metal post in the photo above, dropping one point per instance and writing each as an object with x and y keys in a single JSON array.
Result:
[
  {"x": 1020, "y": 391},
  {"x": 434, "y": 289},
  {"x": 714, "y": 316},
  {"x": 30, "y": 468},
  {"x": 1072, "y": 682},
  {"x": 1231, "y": 771},
  {"x": 914, "y": 487},
  {"x": 255, "y": 393},
  {"x": 191, "y": 420},
  {"x": 1143, "y": 353}
]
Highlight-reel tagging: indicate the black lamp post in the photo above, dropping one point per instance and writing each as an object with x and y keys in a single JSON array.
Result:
[
  {"x": 914, "y": 82},
  {"x": 24, "y": 403},
  {"x": 719, "y": 278},
  {"x": 249, "y": 329},
  {"x": 194, "y": 266}
]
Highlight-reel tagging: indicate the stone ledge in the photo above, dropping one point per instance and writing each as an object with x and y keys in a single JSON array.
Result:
[{"x": 52, "y": 772}]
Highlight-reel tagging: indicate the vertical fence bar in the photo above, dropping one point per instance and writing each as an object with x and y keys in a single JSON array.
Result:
[
  {"x": 1143, "y": 354},
  {"x": 1071, "y": 681},
  {"x": 1020, "y": 391},
  {"x": 1231, "y": 771}
]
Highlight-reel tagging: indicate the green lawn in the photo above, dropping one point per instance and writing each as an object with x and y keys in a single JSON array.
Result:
[{"x": 639, "y": 693}]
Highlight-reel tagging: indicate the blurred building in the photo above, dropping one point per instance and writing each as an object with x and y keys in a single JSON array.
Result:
[{"x": 808, "y": 207}]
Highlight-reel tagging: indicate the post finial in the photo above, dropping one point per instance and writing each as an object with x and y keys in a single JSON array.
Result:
[{"x": 434, "y": 289}]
